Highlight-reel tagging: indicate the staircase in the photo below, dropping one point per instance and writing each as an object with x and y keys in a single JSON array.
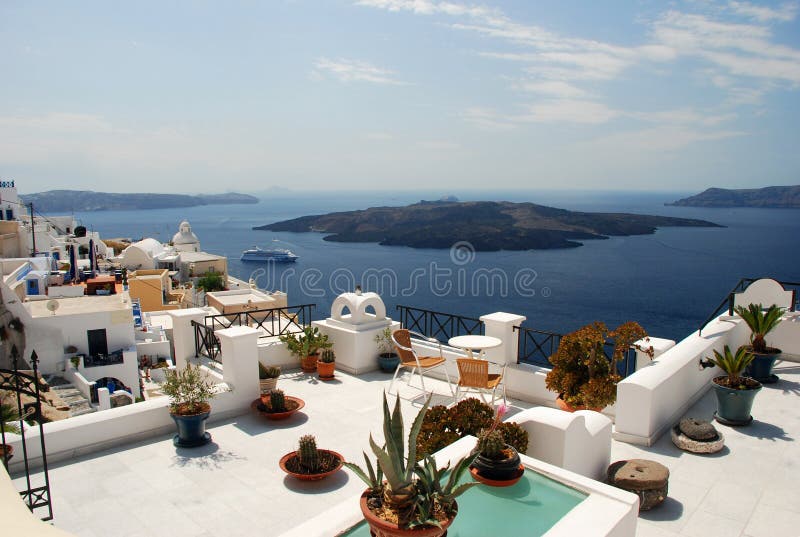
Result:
[{"x": 78, "y": 404}]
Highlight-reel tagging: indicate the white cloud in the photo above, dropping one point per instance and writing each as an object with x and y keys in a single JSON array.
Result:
[
  {"x": 568, "y": 111},
  {"x": 555, "y": 88},
  {"x": 785, "y": 13},
  {"x": 347, "y": 70},
  {"x": 487, "y": 119}
]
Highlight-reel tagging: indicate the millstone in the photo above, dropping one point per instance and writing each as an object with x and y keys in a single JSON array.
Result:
[
  {"x": 638, "y": 474},
  {"x": 697, "y": 429},
  {"x": 696, "y": 446},
  {"x": 647, "y": 479}
]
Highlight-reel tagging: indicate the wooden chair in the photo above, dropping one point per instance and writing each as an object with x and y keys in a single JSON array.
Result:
[
  {"x": 474, "y": 376},
  {"x": 419, "y": 364}
]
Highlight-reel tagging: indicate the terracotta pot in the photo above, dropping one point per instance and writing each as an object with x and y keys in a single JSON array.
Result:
[
  {"x": 309, "y": 363},
  {"x": 267, "y": 385},
  {"x": 563, "y": 405},
  {"x": 496, "y": 483},
  {"x": 258, "y": 406},
  {"x": 381, "y": 528},
  {"x": 6, "y": 452},
  {"x": 325, "y": 370},
  {"x": 310, "y": 477}
]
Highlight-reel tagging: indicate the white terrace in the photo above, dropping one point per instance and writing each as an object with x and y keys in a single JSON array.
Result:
[{"x": 117, "y": 472}]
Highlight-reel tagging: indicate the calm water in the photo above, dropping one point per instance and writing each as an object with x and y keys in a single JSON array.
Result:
[
  {"x": 669, "y": 281},
  {"x": 530, "y": 507}
]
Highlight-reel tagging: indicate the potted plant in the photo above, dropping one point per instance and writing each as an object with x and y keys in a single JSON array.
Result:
[
  {"x": 326, "y": 364},
  {"x": 268, "y": 377},
  {"x": 387, "y": 358},
  {"x": 761, "y": 322},
  {"x": 497, "y": 463},
  {"x": 582, "y": 374},
  {"x": 442, "y": 426},
  {"x": 309, "y": 463},
  {"x": 414, "y": 499},
  {"x": 306, "y": 346},
  {"x": 276, "y": 405},
  {"x": 735, "y": 393},
  {"x": 189, "y": 391}
]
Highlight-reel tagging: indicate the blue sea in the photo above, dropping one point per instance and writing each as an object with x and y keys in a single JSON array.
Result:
[{"x": 669, "y": 281}]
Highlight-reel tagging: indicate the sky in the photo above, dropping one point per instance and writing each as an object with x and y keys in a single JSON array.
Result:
[{"x": 201, "y": 96}]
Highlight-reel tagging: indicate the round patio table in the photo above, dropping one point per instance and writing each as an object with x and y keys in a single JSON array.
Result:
[{"x": 474, "y": 343}]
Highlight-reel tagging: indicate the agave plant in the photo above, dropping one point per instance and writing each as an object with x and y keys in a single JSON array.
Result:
[
  {"x": 733, "y": 364},
  {"x": 412, "y": 491},
  {"x": 761, "y": 322}
]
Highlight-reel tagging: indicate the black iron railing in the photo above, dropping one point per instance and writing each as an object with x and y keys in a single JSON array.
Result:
[
  {"x": 436, "y": 324},
  {"x": 14, "y": 383},
  {"x": 269, "y": 322},
  {"x": 729, "y": 300},
  {"x": 97, "y": 360},
  {"x": 205, "y": 342},
  {"x": 537, "y": 346}
]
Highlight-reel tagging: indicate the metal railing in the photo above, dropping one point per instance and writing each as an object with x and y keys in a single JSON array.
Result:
[
  {"x": 743, "y": 284},
  {"x": 269, "y": 322},
  {"x": 537, "y": 346},
  {"x": 436, "y": 324},
  {"x": 97, "y": 360},
  {"x": 16, "y": 382}
]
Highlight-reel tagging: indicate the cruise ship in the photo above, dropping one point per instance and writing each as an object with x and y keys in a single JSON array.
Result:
[{"x": 276, "y": 254}]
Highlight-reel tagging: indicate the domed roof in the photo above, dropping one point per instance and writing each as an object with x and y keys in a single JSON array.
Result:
[{"x": 185, "y": 235}]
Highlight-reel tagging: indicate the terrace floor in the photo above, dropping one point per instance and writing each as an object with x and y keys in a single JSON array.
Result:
[{"x": 234, "y": 487}]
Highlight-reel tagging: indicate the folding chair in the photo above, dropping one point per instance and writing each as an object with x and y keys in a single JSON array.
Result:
[
  {"x": 419, "y": 364},
  {"x": 474, "y": 376}
]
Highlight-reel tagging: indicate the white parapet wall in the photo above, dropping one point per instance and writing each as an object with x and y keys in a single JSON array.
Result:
[
  {"x": 576, "y": 441},
  {"x": 654, "y": 398}
]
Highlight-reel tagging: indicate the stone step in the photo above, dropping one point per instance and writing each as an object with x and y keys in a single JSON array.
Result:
[{"x": 71, "y": 396}]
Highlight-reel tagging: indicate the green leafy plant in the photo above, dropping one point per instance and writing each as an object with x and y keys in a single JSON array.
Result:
[
  {"x": 76, "y": 361},
  {"x": 733, "y": 364},
  {"x": 761, "y": 322},
  {"x": 582, "y": 374},
  {"x": 327, "y": 356},
  {"x": 384, "y": 341},
  {"x": 189, "y": 390},
  {"x": 268, "y": 372},
  {"x": 415, "y": 493},
  {"x": 210, "y": 282},
  {"x": 306, "y": 343}
]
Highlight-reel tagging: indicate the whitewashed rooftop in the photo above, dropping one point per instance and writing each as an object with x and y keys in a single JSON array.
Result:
[{"x": 234, "y": 486}]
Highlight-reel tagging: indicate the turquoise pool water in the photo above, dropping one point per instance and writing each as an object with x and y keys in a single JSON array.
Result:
[{"x": 529, "y": 508}]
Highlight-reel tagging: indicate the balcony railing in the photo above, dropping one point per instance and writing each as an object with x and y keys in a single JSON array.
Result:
[
  {"x": 537, "y": 346},
  {"x": 436, "y": 324},
  {"x": 98, "y": 360},
  {"x": 728, "y": 302},
  {"x": 269, "y": 322}
]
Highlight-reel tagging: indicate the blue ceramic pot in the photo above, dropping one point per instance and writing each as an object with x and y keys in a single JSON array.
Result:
[
  {"x": 191, "y": 430},
  {"x": 761, "y": 367},
  {"x": 388, "y": 362},
  {"x": 733, "y": 406}
]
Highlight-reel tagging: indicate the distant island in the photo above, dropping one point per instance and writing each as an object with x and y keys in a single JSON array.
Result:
[
  {"x": 487, "y": 225},
  {"x": 86, "y": 200},
  {"x": 771, "y": 196}
]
